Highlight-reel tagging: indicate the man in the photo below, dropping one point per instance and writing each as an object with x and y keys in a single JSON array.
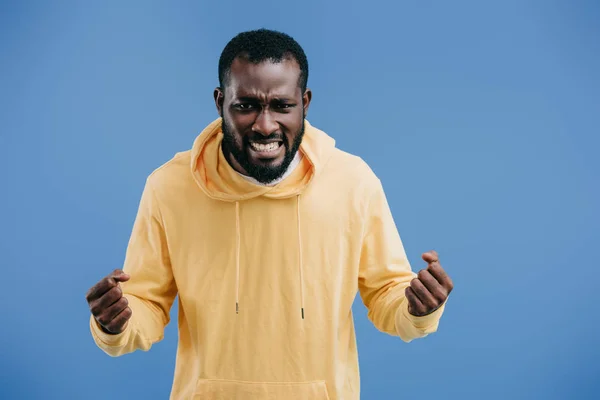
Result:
[{"x": 266, "y": 232}]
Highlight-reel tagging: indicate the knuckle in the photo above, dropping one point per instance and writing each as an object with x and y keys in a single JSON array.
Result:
[
  {"x": 432, "y": 302},
  {"x": 111, "y": 327},
  {"x": 440, "y": 296},
  {"x": 103, "y": 320},
  {"x": 115, "y": 293},
  {"x": 96, "y": 309}
]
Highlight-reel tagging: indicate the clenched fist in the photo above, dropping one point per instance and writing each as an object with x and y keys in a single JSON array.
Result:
[
  {"x": 430, "y": 289},
  {"x": 107, "y": 304}
]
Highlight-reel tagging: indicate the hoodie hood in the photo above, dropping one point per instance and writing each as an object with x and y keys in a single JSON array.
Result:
[{"x": 220, "y": 181}]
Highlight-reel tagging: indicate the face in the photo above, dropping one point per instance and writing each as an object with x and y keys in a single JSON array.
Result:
[{"x": 263, "y": 110}]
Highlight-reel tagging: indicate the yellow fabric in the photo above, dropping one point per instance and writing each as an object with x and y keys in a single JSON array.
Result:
[{"x": 266, "y": 276}]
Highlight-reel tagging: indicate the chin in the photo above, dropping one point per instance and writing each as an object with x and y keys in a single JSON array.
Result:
[{"x": 268, "y": 162}]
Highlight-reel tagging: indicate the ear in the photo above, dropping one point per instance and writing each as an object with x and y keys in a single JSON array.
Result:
[
  {"x": 306, "y": 98},
  {"x": 219, "y": 96}
]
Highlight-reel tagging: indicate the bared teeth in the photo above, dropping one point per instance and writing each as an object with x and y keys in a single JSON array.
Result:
[{"x": 265, "y": 147}]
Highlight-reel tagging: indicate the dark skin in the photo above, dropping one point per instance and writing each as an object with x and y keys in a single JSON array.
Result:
[
  {"x": 430, "y": 289},
  {"x": 107, "y": 304},
  {"x": 263, "y": 103}
]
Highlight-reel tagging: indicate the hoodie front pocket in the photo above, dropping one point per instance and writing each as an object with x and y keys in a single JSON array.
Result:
[{"x": 217, "y": 389}]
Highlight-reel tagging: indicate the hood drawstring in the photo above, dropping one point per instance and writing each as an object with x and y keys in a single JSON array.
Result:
[
  {"x": 300, "y": 261},
  {"x": 237, "y": 257}
]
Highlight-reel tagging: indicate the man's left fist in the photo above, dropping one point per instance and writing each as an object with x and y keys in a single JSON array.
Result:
[{"x": 430, "y": 289}]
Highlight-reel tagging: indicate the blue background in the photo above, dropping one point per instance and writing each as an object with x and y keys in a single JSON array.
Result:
[{"x": 481, "y": 119}]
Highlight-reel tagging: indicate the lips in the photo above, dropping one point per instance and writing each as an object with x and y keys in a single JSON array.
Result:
[{"x": 266, "y": 148}]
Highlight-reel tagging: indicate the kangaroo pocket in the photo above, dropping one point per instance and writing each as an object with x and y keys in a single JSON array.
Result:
[{"x": 217, "y": 389}]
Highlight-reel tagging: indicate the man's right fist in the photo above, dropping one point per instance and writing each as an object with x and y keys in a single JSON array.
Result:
[{"x": 107, "y": 304}]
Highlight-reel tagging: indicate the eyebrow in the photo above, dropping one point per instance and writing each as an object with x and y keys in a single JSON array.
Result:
[{"x": 281, "y": 99}]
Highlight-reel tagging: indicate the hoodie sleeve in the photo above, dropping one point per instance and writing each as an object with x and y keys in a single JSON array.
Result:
[
  {"x": 151, "y": 288},
  {"x": 384, "y": 274}
]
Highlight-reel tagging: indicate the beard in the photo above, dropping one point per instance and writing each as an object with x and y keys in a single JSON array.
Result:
[{"x": 263, "y": 173}]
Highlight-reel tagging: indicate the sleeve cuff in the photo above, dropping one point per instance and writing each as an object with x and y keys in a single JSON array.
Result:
[
  {"x": 107, "y": 339},
  {"x": 427, "y": 322}
]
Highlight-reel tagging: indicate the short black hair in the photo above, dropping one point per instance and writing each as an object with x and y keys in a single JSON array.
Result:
[{"x": 261, "y": 45}]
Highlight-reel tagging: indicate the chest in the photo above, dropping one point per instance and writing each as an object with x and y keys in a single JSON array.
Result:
[{"x": 264, "y": 251}]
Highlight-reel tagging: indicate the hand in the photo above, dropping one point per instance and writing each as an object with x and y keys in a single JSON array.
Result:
[
  {"x": 430, "y": 289},
  {"x": 107, "y": 304}
]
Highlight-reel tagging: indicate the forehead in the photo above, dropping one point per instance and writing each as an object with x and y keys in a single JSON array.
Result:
[{"x": 266, "y": 79}]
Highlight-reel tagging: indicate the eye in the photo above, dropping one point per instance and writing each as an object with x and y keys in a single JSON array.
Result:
[
  {"x": 245, "y": 106},
  {"x": 284, "y": 106}
]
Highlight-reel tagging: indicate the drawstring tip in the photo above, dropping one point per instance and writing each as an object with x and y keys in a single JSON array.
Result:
[
  {"x": 302, "y": 312},
  {"x": 237, "y": 308}
]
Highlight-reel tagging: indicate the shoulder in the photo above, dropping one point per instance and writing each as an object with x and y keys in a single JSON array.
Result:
[
  {"x": 173, "y": 174},
  {"x": 348, "y": 166}
]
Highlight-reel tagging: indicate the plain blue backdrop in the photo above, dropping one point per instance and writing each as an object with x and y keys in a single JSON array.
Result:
[{"x": 481, "y": 119}]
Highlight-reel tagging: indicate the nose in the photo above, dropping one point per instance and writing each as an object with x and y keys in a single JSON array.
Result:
[{"x": 265, "y": 124}]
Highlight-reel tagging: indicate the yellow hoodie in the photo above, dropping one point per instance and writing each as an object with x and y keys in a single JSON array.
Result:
[{"x": 266, "y": 276}]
